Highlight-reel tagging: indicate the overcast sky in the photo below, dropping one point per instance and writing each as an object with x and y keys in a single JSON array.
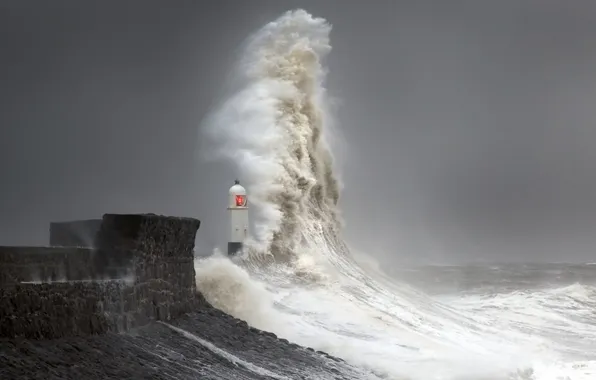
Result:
[{"x": 469, "y": 125}]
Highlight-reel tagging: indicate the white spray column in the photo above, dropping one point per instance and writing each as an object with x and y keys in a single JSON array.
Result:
[{"x": 238, "y": 209}]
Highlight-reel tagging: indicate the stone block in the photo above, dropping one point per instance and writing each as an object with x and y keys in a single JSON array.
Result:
[{"x": 141, "y": 243}]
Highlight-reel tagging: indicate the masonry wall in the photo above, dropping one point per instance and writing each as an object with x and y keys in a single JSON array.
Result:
[
  {"x": 141, "y": 270},
  {"x": 44, "y": 264},
  {"x": 52, "y": 310},
  {"x": 157, "y": 252}
]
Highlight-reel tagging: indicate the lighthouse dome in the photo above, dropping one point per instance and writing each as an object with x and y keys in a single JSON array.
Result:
[{"x": 237, "y": 189}]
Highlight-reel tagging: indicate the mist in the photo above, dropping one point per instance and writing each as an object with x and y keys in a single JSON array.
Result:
[{"x": 465, "y": 129}]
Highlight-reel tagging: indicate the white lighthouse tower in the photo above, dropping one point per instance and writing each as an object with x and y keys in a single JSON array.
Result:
[{"x": 238, "y": 209}]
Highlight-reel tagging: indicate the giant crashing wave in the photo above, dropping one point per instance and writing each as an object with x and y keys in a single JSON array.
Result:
[
  {"x": 274, "y": 128},
  {"x": 208, "y": 343},
  {"x": 298, "y": 277}
]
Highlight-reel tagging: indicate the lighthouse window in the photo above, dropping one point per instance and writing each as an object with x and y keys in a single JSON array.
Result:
[{"x": 240, "y": 200}]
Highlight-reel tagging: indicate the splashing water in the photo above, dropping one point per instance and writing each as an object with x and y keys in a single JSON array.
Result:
[
  {"x": 274, "y": 128},
  {"x": 299, "y": 279}
]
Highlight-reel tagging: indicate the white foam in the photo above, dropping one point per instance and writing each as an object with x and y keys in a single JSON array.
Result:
[
  {"x": 299, "y": 279},
  {"x": 230, "y": 288}
]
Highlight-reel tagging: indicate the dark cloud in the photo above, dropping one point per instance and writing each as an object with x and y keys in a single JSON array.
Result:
[{"x": 473, "y": 121}]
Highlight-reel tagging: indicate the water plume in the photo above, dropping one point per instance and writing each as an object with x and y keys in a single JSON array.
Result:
[{"x": 274, "y": 129}]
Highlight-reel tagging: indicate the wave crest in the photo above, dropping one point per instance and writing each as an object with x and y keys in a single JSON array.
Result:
[{"x": 274, "y": 129}]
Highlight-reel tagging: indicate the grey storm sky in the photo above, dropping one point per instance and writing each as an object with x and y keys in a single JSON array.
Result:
[{"x": 468, "y": 125}]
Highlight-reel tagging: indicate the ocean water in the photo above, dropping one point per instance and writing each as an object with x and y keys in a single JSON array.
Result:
[{"x": 300, "y": 280}]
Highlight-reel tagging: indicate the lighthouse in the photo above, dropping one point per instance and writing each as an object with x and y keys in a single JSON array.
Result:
[{"x": 238, "y": 210}]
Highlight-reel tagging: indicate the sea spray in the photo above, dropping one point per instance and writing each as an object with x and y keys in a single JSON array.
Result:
[
  {"x": 312, "y": 291},
  {"x": 274, "y": 129},
  {"x": 229, "y": 287}
]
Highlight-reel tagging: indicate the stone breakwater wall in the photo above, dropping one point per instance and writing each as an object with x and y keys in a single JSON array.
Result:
[
  {"x": 44, "y": 264},
  {"x": 141, "y": 269}
]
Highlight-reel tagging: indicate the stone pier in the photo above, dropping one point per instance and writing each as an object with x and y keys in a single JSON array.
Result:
[{"x": 140, "y": 270}]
